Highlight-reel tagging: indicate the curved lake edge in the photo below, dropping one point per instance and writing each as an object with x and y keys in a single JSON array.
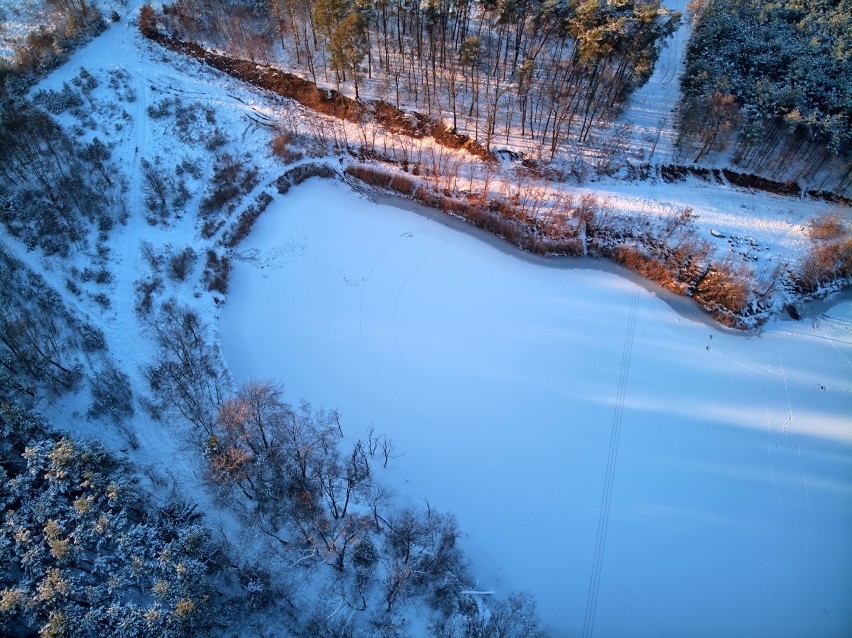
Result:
[
  {"x": 684, "y": 306},
  {"x": 360, "y": 242}
]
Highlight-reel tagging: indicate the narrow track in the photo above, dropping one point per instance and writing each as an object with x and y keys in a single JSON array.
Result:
[{"x": 609, "y": 478}]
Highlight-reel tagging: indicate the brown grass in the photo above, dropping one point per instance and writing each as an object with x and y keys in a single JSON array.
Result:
[
  {"x": 648, "y": 267},
  {"x": 829, "y": 225},
  {"x": 282, "y": 148},
  {"x": 825, "y": 262},
  {"x": 725, "y": 288}
]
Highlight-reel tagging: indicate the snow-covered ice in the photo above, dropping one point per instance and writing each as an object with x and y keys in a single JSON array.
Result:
[{"x": 499, "y": 377}]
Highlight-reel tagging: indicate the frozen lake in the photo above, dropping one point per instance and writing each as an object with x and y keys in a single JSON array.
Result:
[{"x": 501, "y": 382}]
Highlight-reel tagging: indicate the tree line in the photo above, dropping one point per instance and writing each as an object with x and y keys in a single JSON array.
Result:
[
  {"x": 85, "y": 552},
  {"x": 546, "y": 71},
  {"x": 54, "y": 187},
  {"x": 773, "y": 79}
]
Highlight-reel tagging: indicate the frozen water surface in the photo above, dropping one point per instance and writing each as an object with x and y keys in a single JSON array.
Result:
[{"x": 502, "y": 382}]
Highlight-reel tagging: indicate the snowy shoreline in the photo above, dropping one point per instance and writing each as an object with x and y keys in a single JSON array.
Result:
[{"x": 684, "y": 306}]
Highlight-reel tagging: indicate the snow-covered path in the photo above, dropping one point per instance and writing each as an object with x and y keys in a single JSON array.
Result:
[
  {"x": 162, "y": 450},
  {"x": 498, "y": 380},
  {"x": 650, "y": 112}
]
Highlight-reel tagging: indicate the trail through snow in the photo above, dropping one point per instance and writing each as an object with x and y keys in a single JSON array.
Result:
[{"x": 650, "y": 111}]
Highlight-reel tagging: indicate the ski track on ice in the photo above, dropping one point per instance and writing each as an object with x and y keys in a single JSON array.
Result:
[
  {"x": 762, "y": 369},
  {"x": 612, "y": 461},
  {"x": 773, "y": 445},
  {"x": 803, "y": 562},
  {"x": 773, "y": 536},
  {"x": 366, "y": 281},
  {"x": 531, "y": 520},
  {"x": 833, "y": 341}
]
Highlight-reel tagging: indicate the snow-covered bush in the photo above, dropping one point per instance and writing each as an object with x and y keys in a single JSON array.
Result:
[
  {"x": 158, "y": 192},
  {"x": 827, "y": 261},
  {"x": 180, "y": 263},
  {"x": 217, "y": 272},
  {"x": 231, "y": 179},
  {"x": 92, "y": 338},
  {"x": 57, "y": 102}
]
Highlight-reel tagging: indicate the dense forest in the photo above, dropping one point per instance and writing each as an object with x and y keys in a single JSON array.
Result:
[
  {"x": 86, "y": 552},
  {"x": 773, "y": 80}
]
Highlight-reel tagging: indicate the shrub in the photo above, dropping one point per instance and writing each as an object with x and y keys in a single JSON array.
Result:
[
  {"x": 829, "y": 225},
  {"x": 242, "y": 227},
  {"x": 145, "y": 291},
  {"x": 231, "y": 179},
  {"x": 825, "y": 262},
  {"x": 92, "y": 338},
  {"x": 217, "y": 272},
  {"x": 111, "y": 394},
  {"x": 724, "y": 287},
  {"x": 180, "y": 264},
  {"x": 648, "y": 267},
  {"x": 148, "y": 21},
  {"x": 282, "y": 145}
]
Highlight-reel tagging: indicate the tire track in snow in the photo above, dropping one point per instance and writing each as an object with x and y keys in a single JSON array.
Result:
[
  {"x": 803, "y": 563},
  {"x": 609, "y": 478},
  {"x": 519, "y": 506}
]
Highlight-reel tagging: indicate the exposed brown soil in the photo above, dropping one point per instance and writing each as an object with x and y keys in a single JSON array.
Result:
[{"x": 678, "y": 173}]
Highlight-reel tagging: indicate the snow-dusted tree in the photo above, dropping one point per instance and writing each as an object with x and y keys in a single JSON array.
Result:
[
  {"x": 53, "y": 186},
  {"x": 349, "y": 46},
  {"x": 83, "y": 552},
  {"x": 515, "y": 616},
  {"x": 422, "y": 555},
  {"x": 38, "y": 336},
  {"x": 777, "y": 71},
  {"x": 111, "y": 393}
]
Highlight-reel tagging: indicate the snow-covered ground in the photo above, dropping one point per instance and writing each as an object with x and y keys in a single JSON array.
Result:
[{"x": 501, "y": 381}]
